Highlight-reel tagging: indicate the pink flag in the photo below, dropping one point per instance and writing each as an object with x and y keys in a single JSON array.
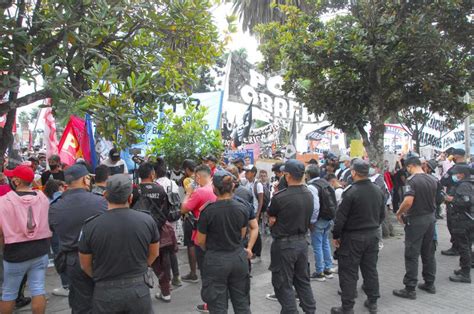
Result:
[{"x": 50, "y": 138}]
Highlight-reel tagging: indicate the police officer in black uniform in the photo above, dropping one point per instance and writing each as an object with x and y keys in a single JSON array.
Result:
[
  {"x": 221, "y": 228},
  {"x": 123, "y": 243},
  {"x": 417, "y": 213},
  {"x": 463, "y": 220},
  {"x": 289, "y": 214},
  {"x": 356, "y": 236},
  {"x": 447, "y": 181}
]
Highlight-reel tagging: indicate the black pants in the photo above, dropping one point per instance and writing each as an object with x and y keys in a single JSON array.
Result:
[
  {"x": 130, "y": 296},
  {"x": 257, "y": 248},
  {"x": 226, "y": 274},
  {"x": 358, "y": 250},
  {"x": 449, "y": 223},
  {"x": 81, "y": 286},
  {"x": 419, "y": 233},
  {"x": 289, "y": 267},
  {"x": 462, "y": 236}
]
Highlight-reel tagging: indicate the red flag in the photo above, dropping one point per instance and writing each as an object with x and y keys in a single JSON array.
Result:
[
  {"x": 50, "y": 138},
  {"x": 74, "y": 142}
]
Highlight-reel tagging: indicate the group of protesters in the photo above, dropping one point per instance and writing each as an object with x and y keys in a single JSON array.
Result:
[{"x": 110, "y": 236}]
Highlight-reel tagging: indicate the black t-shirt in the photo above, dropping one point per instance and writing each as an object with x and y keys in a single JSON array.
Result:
[
  {"x": 118, "y": 240},
  {"x": 423, "y": 187},
  {"x": 24, "y": 251},
  {"x": 156, "y": 193},
  {"x": 244, "y": 194},
  {"x": 292, "y": 208},
  {"x": 47, "y": 174},
  {"x": 222, "y": 222}
]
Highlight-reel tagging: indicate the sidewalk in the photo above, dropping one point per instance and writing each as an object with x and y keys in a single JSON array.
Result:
[{"x": 450, "y": 297}]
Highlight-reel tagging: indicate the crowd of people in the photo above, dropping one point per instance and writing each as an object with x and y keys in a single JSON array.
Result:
[{"x": 111, "y": 236}]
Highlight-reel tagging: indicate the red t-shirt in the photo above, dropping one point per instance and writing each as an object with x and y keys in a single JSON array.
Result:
[
  {"x": 4, "y": 189},
  {"x": 198, "y": 199}
]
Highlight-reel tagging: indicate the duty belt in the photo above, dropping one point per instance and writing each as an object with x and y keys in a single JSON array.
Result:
[
  {"x": 292, "y": 237},
  {"x": 120, "y": 282}
]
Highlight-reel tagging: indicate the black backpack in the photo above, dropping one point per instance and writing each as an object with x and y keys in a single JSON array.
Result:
[
  {"x": 266, "y": 195},
  {"x": 146, "y": 204},
  {"x": 327, "y": 199}
]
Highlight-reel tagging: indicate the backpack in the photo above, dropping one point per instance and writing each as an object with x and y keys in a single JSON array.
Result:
[
  {"x": 266, "y": 195},
  {"x": 327, "y": 199},
  {"x": 174, "y": 203}
]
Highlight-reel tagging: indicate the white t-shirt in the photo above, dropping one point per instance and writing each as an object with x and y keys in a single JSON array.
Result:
[
  {"x": 165, "y": 182},
  {"x": 250, "y": 187},
  {"x": 109, "y": 163}
]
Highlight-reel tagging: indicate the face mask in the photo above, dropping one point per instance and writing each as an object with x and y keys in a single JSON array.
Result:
[
  {"x": 342, "y": 166},
  {"x": 371, "y": 172},
  {"x": 455, "y": 178},
  {"x": 43, "y": 164}
]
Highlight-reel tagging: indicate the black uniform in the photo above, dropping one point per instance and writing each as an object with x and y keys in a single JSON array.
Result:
[
  {"x": 463, "y": 225},
  {"x": 357, "y": 222},
  {"x": 118, "y": 241},
  {"x": 419, "y": 230},
  {"x": 66, "y": 218},
  {"x": 225, "y": 269},
  {"x": 292, "y": 208}
]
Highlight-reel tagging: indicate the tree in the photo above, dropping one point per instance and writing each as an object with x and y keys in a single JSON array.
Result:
[
  {"x": 114, "y": 59},
  {"x": 186, "y": 137},
  {"x": 374, "y": 60}
]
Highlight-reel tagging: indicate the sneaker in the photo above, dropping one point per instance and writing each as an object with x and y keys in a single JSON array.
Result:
[
  {"x": 256, "y": 259},
  {"x": 271, "y": 297},
  {"x": 380, "y": 245},
  {"x": 176, "y": 281},
  {"x": 318, "y": 277},
  {"x": 450, "y": 252},
  {"x": 190, "y": 278},
  {"x": 428, "y": 288},
  {"x": 460, "y": 278},
  {"x": 334, "y": 270},
  {"x": 164, "y": 298},
  {"x": 404, "y": 293},
  {"x": 328, "y": 274},
  {"x": 202, "y": 308},
  {"x": 22, "y": 302},
  {"x": 61, "y": 292}
]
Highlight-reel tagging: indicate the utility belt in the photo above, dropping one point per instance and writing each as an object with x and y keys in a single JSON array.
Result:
[
  {"x": 291, "y": 238},
  {"x": 120, "y": 282}
]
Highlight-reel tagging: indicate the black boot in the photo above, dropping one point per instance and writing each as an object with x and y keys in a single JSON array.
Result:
[
  {"x": 450, "y": 252},
  {"x": 22, "y": 302},
  {"x": 406, "y": 294},
  {"x": 460, "y": 277},
  {"x": 430, "y": 288},
  {"x": 372, "y": 306},
  {"x": 340, "y": 310}
]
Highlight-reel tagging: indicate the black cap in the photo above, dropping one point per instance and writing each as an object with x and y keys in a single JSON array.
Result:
[
  {"x": 312, "y": 161},
  {"x": 114, "y": 153},
  {"x": 277, "y": 166},
  {"x": 219, "y": 176},
  {"x": 237, "y": 160},
  {"x": 360, "y": 166},
  {"x": 119, "y": 187},
  {"x": 75, "y": 172},
  {"x": 464, "y": 169},
  {"x": 432, "y": 164},
  {"x": 210, "y": 158},
  {"x": 294, "y": 167},
  {"x": 459, "y": 152},
  {"x": 413, "y": 160}
]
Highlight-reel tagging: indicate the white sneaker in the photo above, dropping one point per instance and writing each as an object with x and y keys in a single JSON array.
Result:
[
  {"x": 256, "y": 260},
  {"x": 380, "y": 245},
  {"x": 61, "y": 292},
  {"x": 164, "y": 298}
]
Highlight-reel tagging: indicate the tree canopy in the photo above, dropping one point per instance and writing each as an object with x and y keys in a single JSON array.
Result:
[
  {"x": 118, "y": 60},
  {"x": 373, "y": 60}
]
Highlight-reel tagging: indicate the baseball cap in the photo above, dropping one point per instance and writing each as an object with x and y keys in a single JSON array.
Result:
[
  {"x": 250, "y": 168},
  {"x": 344, "y": 158},
  {"x": 277, "y": 166},
  {"x": 432, "y": 164},
  {"x": 294, "y": 167},
  {"x": 312, "y": 161},
  {"x": 360, "y": 166},
  {"x": 24, "y": 173},
  {"x": 219, "y": 176},
  {"x": 413, "y": 160},
  {"x": 75, "y": 172},
  {"x": 464, "y": 169},
  {"x": 119, "y": 187},
  {"x": 459, "y": 152}
]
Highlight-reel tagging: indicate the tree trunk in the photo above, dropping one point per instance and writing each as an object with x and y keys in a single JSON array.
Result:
[
  {"x": 6, "y": 136},
  {"x": 373, "y": 142}
]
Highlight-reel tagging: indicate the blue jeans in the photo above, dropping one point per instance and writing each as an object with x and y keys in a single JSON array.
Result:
[{"x": 321, "y": 245}]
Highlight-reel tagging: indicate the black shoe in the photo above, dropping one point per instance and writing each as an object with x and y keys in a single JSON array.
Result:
[
  {"x": 450, "y": 252},
  {"x": 439, "y": 217},
  {"x": 22, "y": 302},
  {"x": 340, "y": 310},
  {"x": 404, "y": 293},
  {"x": 460, "y": 278},
  {"x": 372, "y": 306},
  {"x": 428, "y": 288},
  {"x": 355, "y": 295}
]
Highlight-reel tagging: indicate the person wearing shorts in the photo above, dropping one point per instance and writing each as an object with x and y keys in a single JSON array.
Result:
[{"x": 25, "y": 231}]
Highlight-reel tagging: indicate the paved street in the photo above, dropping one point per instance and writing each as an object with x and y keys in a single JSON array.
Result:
[{"x": 451, "y": 297}]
